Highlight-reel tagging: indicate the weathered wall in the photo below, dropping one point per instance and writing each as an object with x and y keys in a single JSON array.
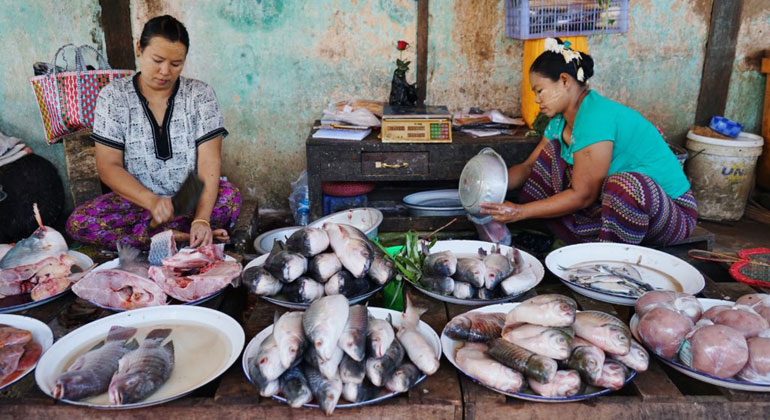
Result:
[
  {"x": 747, "y": 83},
  {"x": 32, "y": 30}
]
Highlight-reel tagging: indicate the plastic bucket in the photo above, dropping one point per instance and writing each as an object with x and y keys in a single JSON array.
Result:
[{"x": 721, "y": 173}]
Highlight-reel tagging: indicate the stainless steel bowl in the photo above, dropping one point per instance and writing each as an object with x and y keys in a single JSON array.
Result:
[{"x": 484, "y": 180}]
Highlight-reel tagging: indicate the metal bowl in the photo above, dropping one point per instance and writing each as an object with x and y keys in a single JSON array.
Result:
[
  {"x": 264, "y": 242},
  {"x": 366, "y": 219},
  {"x": 484, "y": 180},
  {"x": 434, "y": 203}
]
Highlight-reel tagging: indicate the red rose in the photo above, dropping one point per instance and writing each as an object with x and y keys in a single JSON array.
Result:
[{"x": 402, "y": 45}]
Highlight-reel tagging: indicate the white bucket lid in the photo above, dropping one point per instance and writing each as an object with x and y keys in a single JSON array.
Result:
[{"x": 743, "y": 140}]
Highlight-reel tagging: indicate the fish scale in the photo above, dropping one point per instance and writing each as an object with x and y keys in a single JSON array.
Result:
[
  {"x": 530, "y": 364},
  {"x": 475, "y": 327}
]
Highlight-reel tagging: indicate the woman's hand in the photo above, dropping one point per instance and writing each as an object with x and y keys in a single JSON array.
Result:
[
  {"x": 506, "y": 212},
  {"x": 200, "y": 233},
  {"x": 161, "y": 210}
]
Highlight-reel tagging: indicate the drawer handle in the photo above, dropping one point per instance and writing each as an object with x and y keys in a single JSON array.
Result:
[{"x": 380, "y": 165}]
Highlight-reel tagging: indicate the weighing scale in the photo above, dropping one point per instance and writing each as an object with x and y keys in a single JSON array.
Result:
[{"x": 416, "y": 124}]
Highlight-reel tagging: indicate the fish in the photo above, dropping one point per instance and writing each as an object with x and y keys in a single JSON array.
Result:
[
  {"x": 546, "y": 310},
  {"x": 352, "y": 371},
  {"x": 289, "y": 337},
  {"x": 92, "y": 371},
  {"x": 295, "y": 387},
  {"x": 355, "y": 287},
  {"x": 260, "y": 282},
  {"x": 351, "y": 246},
  {"x": 269, "y": 359},
  {"x": 533, "y": 366},
  {"x": 188, "y": 286},
  {"x": 415, "y": 345},
  {"x": 336, "y": 283},
  {"x": 475, "y": 326},
  {"x": 303, "y": 290},
  {"x": 32, "y": 352},
  {"x": 463, "y": 290},
  {"x": 323, "y": 266},
  {"x": 162, "y": 246},
  {"x": 637, "y": 358},
  {"x": 266, "y": 388},
  {"x": 326, "y": 391},
  {"x": 440, "y": 264},
  {"x": 357, "y": 393},
  {"x": 379, "y": 369},
  {"x": 324, "y": 322},
  {"x": 308, "y": 241},
  {"x": 518, "y": 282},
  {"x": 565, "y": 383},
  {"x": 604, "y": 331},
  {"x": 553, "y": 342},
  {"x": 486, "y": 294},
  {"x": 330, "y": 368},
  {"x": 618, "y": 278},
  {"x": 473, "y": 359},
  {"x": 613, "y": 375},
  {"x": 498, "y": 267},
  {"x": 403, "y": 378},
  {"x": 115, "y": 288},
  {"x": 382, "y": 269},
  {"x": 44, "y": 242},
  {"x": 379, "y": 337},
  {"x": 10, "y": 356},
  {"x": 587, "y": 359},
  {"x": 141, "y": 372},
  {"x": 471, "y": 270},
  {"x": 353, "y": 339},
  {"x": 285, "y": 265},
  {"x": 442, "y": 285},
  {"x": 190, "y": 258},
  {"x": 10, "y": 336}
]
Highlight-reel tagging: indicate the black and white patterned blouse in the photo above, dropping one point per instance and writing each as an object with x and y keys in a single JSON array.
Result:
[{"x": 159, "y": 156}]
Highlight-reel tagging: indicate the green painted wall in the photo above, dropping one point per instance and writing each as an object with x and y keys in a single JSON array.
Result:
[{"x": 30, "y": 31}]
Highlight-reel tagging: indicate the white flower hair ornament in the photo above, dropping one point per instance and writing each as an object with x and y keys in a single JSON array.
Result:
[{"x": 551, "y": 44}]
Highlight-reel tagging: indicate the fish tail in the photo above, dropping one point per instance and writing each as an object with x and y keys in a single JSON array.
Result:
[
  {"x": 126, "y": 254},
  {"x": 158, "y": 334},
  {"x": 118, "y": 333},
  {"x": 413, "y": 313}
]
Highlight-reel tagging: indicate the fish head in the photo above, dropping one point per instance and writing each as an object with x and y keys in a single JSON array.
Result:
[
  {"x": 459, "y": 325},
  {"x": 288, "y": 353},
  {"x": 560, "y": 339},
  {"x": 74, "y": 385},
  {"x": 618, "y": 339},
  {"x": 588, "y": 360},
  {"x": 126, "y": 388}
]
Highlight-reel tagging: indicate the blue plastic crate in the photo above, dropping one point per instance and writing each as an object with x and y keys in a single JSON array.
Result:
[
  {"x": 334, "y": 204},
  {"x": 528, "y": 19}
]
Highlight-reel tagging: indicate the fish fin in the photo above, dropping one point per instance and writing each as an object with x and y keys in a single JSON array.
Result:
[
  {"x": 132, "y": 345},
  {"x": 482, "y": 252},
  {"x": 126, "y": 254},
  {"x": 118, "y": 333},
  {"x": 275, "y": 317},
  {"x": 97, "y": 346},
  {"x": 169, "y": 347},
  {"x": 158, "y": 334}
]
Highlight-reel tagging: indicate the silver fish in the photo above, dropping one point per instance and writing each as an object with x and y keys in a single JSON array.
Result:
[
  {"x": 141, "y": 372},
  {"x": 308, "y": 241},
  {"x": 266, "y": 388},
  {"x": 637, "y": 358},
  {"x": 336, "y": 283},
  {"x": 619, "y": 279},
  {"x": 289, "y": 337},
  {"x": 382, "y": 269},
  {"x": 44, "y": 242},
  {"x": 269, "y": 359},
  {"x": 546, "y": 310},
  {"x": 285, "y": 265},
  {"x": 475, "y": 326},
  {"x": 403, "y": 378},
  {"x": 552, "y": 342},
  {"x": 353, "y": 339},
  {"x": 295, "y": 388},
  {"x": 587, "y": 359},
  {"x": 323, "y": 266},
  {"x": 440, "y": 264},
  {"x": 565, "y": 383},
  {"x": 91, "y": 373},
  {"x": 357, "y": 393},
  {"x": 471, "y": 270},
  {"x": 464, "y": 290},
  {"x": 303, "y": 290},
  {"x": 442, "y": 285},
  {"x": 379, "y": 337},
  {"x": 352, "y": 371},
  {"x": 326, "y": 391},
  {"x": 613, "y": 376},
  {"x": 420, "y": 353},
  {"x": 355, "y": 287},
  {"x": 260, "y": 282},
  {"x": 379, "y": 369},
  {"x": 486, "y": 294},
  {"x": 473, "y": 359},
  {"x": 330, "y": 368},
  {"x": 499, "y": 267},
  {"x": 533, "y": 366},
  {"x": 604, "y": 331},
  {"x": 518, "y": 282},
  {"x": 324, "y": 323},
  {"x": 351, "y": 246}
]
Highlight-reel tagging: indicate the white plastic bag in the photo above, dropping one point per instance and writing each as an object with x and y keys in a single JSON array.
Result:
[{"x": 355, "y": 116}]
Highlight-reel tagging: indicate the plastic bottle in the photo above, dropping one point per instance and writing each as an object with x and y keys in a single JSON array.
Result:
[{"x": 299, "y": 200}]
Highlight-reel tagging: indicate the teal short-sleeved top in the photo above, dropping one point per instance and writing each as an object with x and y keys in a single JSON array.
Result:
[{"x": 637, "y": 145}]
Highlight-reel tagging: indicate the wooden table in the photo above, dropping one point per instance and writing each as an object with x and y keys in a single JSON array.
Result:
[{"x": 371, "y": 160}]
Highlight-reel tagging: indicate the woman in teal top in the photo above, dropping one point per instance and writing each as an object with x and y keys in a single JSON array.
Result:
[{"x": 601, "y": 172}]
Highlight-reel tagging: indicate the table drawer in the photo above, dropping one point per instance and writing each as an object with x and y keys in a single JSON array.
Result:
[{"x": 396, "y": 163}]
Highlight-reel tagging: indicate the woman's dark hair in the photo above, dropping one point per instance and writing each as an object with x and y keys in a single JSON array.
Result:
[
  {"x": 167, "y": 27},
  {"x": 551, "y": 65}
]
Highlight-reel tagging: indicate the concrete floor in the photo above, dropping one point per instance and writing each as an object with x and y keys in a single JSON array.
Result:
[{"x": 732, "y": 237}]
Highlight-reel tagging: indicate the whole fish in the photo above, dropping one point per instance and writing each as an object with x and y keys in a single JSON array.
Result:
[
  {"x": 552, "y": 342},
  {"x": 545, "y": 310},
  {"x": 442, "y": 285},
  {"x": 637, "y": 358},
  {"x": 260, "y": 282},
  {"x": 45, "y": 242},
  {"x": 533, "y": 366},
  {"x": 289, "y": 337},
  {"x": 613, "y": 376},
  {"x": 352, "y": 371},
  {"x": 308, "y": 241},
  {"x": 324, "y": 322},
  {"x": 326, "y": 391},
  {"x": 269, "y": 359},
  {"x": 303, "y": 290},
  {"x": 587, "y": 359},
  {"x": 440, "y": 264},
  {"x": 330, "y": 368},
  {"x": 91, "y": 372},
  {"x": 379, "y": 337},
  {"x": 337, "y": 282},
  {"x": 379, "y": 369},
  {"x": 382, "y": 269},
  {"x": 323, "y": 266},
  {"x": 415, "y": 345},
  {"x": 474, "y": 360},
  {"x": 142, "y": 372},
  {"x": 295, "y": 388},
  {"x": 486, "y": 294},
  {"x": 565, "y": 383},
  {"x": 403, "y": 378},
  {"x": 285, "y": 265},
  {"x": 471, "y": 270},
  {"x": 604, "y": 331},
  {"x": 463, "y": 290},
  {"x": 357, "y": 393},
  {"x": 266, "y": 388},
  {"x": 353, "y": 339},
  {"x": 351, "y": 246},
  {"x": 498, "y": 268},
  {"x": 475, "y": 326},
  {"x": 620, "y": 279}
]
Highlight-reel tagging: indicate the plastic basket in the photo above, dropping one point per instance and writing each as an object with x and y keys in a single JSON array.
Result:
[{"x": 527, "y": 19}]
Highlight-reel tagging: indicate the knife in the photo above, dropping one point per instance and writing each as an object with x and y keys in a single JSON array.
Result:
[{"x": 185, "y": 201}]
